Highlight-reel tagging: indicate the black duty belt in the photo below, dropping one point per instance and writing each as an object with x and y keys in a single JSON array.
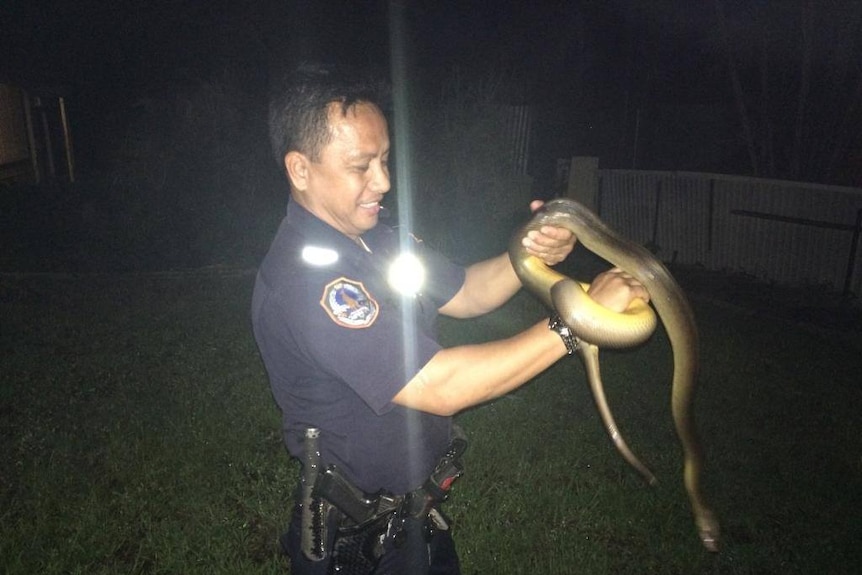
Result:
[
  {"x": 361, "y": 507},
  {"x": 328, "y": 488}
]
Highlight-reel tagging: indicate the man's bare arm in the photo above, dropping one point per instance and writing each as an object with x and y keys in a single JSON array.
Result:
[{"x": 464, "y": 376}]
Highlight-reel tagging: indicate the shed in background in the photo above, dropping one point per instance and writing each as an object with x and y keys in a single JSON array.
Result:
[{"x": 35, "y": 136}]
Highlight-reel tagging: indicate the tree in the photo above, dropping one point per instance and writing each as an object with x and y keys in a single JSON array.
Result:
[{"x": 796, "y": 77}]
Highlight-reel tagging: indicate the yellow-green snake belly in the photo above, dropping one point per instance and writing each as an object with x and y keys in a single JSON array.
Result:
[{"x": 598, "y": 327}]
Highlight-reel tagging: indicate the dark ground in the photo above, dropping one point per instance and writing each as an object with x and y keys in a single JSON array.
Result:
[{"x": 814, "y": 306}]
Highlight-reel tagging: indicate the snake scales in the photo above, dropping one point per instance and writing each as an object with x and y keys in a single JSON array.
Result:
[{"x": 603, "y": 328}]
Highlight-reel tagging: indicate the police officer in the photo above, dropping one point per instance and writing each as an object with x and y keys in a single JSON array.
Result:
[{"x": 352, "y": 355}]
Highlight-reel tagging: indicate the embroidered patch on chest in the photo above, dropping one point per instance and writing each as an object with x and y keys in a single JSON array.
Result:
[{"x": 349, "y": 304}]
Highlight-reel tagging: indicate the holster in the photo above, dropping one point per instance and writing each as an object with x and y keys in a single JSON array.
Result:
[
  {"x": 365, "y": 521},
  {"x": 362, "y": 523}
]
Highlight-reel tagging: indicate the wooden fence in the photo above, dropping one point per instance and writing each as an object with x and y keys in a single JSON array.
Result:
[{"x": 791, "y": 233}]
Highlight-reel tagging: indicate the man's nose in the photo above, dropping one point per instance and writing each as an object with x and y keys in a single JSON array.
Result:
[{"x": 380, "y": 179}]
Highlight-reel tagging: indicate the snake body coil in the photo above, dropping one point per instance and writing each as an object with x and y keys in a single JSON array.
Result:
[{"x": 601, "y": 327}]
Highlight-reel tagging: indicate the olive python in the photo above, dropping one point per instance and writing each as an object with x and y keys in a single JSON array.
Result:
[{"x": 597, "y": 327}]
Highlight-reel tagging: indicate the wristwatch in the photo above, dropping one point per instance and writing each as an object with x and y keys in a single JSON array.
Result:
[{"x": 558, "y": 325}]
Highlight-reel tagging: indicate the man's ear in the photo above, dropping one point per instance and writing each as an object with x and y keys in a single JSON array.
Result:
[{"x": 296, "y": 166}]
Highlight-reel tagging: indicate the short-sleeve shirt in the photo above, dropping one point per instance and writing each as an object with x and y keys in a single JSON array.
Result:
[{"x": 339, "y": 343}]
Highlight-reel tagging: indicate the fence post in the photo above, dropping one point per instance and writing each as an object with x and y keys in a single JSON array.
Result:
[
  {"x": 854, "y": 245},
  {"x": 584, "y": 181}
]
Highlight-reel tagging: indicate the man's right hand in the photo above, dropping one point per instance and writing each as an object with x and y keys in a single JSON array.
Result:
[{"x": 615, "y": 290}]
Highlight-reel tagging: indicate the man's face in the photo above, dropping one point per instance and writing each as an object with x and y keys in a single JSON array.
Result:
[{"x": 345, "y": 185}]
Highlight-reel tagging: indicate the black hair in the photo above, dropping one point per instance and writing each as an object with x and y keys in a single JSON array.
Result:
[{"x": 299, "y": 106}]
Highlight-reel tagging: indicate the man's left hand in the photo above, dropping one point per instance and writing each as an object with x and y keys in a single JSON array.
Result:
[{"x": 551, "y": 244}]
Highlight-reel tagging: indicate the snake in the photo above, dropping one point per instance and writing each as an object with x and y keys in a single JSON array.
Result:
[{"x": 596, "y": 326}]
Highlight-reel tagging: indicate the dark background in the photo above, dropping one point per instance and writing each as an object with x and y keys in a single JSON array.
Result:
[{"x": 167, "y": 104}]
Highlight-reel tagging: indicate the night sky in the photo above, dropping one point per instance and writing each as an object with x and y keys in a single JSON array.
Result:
[
  {"x": 593, "y": 65},
  {"x": 92, "y": 43},
  {"x": 607, "y": 58},
  {"x": 98, "y": 40}
]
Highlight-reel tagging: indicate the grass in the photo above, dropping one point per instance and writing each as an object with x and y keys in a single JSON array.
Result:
[{"x": 139, "y": 436}]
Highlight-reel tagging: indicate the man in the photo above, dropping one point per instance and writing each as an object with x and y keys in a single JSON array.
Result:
[{"x": 357, "y": 362}]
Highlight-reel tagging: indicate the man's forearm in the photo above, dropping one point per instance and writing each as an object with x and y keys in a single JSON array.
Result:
[
  {"x": 487, "y": 285},
  {"x": 464, "y": 376}
]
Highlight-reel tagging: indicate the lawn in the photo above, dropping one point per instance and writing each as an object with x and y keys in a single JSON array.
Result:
[{"x": 139, "y": 436}]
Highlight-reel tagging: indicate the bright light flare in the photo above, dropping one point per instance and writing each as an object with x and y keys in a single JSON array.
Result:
[{"x": 407, "y": 274}]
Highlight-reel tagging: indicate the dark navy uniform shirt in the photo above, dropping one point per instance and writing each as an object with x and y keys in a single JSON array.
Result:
[{"x": 339, "y": 343}]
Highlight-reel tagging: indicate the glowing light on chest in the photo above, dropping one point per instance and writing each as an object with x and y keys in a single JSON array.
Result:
[{"x": 406, "y": 274}]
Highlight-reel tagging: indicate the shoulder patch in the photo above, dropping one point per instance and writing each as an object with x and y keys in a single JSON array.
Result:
[{"x": 349, "y": 304}]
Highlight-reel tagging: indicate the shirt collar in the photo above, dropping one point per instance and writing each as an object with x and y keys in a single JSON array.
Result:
[
  {"x": 318, "y": 233},
  {"x": 315, "y": 230}
]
